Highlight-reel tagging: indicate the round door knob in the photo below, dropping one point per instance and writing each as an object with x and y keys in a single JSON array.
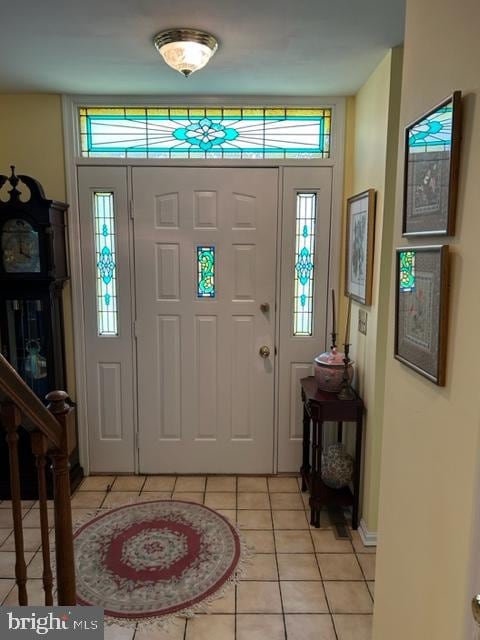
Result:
[
  {"x": 476, "y": 609},
  {"x": 265, "y": 307},
  {"x": 264, "y": 351}
]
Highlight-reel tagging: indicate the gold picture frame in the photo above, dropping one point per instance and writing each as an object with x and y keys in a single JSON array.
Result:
[{"x": 359, "y": 245}]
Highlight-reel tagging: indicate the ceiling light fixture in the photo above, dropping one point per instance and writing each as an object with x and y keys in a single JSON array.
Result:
[{"x": 185, "y": 50}]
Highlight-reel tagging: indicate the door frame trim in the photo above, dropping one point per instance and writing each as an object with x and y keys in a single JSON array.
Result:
[{"x": 73, "y": 160}]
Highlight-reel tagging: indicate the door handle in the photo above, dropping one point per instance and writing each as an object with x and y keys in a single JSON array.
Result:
[
  {"x": 265, "y": 307},
  {"x": 264, "y": 351}
]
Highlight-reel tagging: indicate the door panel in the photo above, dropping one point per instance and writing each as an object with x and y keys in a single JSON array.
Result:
[
  {"x": 205, "y": 395},
  {"x": 109, "y": 358}
]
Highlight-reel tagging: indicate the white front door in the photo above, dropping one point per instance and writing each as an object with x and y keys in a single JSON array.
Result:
[{"x": 205, "y": 250}]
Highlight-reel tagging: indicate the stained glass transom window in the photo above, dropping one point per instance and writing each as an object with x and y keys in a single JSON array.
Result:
[
  {"x": 306, "y": 214},
  {"x": 210, "y": 132},
  {"x": 106, "y": 268},
  {"x": 433, "y": 133},
  {"x": 407, "y": 271},
  {"x": 206, "y": 272}
]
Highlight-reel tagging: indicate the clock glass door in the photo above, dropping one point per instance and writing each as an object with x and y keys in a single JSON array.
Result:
[{"x": 27, "y": 342}]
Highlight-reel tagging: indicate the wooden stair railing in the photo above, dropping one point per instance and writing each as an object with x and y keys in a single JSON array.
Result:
[{"x": 52, "y": 436}]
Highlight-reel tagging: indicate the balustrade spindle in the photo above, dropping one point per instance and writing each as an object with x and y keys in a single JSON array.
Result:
[{"x": 11, "y": 421}]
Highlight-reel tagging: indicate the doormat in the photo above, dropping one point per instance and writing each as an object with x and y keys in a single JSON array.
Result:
[{"x": 149, "y": 561}]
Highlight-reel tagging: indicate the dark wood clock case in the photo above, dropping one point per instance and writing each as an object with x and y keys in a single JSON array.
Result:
[{"x": 33, "y": 271}]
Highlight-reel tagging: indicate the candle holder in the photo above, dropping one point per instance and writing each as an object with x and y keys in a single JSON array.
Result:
[
  {"x": 346, "y": 392},
  {"x": 334, "y": 340}
]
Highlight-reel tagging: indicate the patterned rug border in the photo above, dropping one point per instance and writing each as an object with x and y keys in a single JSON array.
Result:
[{"x": 245, "y": 556}]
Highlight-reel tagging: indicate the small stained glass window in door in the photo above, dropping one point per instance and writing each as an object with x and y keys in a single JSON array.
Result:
[
  {"x": 206, "y": 272},
  {"x": 407, "y": 271},
  {"x": 106, "y": 268},
  {"x": 306, "y": 214}
]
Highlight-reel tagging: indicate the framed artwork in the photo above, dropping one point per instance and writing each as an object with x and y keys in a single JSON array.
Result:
[
  {"x": 432, "y": 153},
  {"x": 422, "y": 309},
  {"x": 359, "y": 253}
]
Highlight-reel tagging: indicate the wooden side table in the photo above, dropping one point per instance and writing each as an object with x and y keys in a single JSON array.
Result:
[{"x": 319, "y": 407}]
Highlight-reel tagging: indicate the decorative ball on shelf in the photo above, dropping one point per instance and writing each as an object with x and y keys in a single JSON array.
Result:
[{"x": 337, "y": 466}]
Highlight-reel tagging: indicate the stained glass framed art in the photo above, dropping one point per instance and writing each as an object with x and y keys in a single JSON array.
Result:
[
  {"x": 421, "y": 310},
  {"x": 359, "y": 244},
  {"x": 432, "y": 152}
]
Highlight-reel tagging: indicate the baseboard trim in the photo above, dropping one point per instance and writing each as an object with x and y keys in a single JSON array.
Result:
[{"x": 369, "y": 538}]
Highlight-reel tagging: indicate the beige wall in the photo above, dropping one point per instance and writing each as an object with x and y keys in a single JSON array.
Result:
[
  {"x": 31, "y": 138},
  {"x": 373, "y": 162},
  {"x": 430, "y": 457}
]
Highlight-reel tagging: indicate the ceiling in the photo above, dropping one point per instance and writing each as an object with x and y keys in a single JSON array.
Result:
[{"x": 267, "y": 47}]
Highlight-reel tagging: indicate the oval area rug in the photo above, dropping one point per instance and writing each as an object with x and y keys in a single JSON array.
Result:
[{"x": 154, "y": 559}]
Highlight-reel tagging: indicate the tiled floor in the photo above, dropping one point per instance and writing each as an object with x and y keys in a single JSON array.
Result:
[{"x": 303, "y": 583}]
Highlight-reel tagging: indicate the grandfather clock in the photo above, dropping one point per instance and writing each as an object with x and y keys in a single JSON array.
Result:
[{"x": 33, "y": 271}]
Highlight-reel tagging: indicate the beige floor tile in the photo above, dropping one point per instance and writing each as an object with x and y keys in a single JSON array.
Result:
[
  {"x": 348, "y": 597},
  {"x": 367, "y": 562},
  {"x": 252, "y": 485},
  {"x": 309, "y": 627},
  {"x": 258, "y": 597},
  {"x": 159, "y": 483},
  {"x": 4, "y": 533},
  {"x": 289, "y": 520},
  {"x": 254, "y": 519},
  {"x": 220, "y": 500},
  {"x": 173, "y": 631},
  {"x": 358, "y": 544},
  {"x": 371, "y": 587},
  {"x": 218, "y": 627},
  {"x": 31, "y": 541},
  {"x": 225, "y": 604},
  {"x": 35, "y": 566},
  {"x": 189, "y": 496},
  {"x": 305, "y": 499},
  {"x": 283, "y": 485},
  {"x": 221, "y": 483},
  {"x": 339, "y": 566},
  {"x": 155, "y": 495},
  {"x": 96, "y": 483},
  {"x": 263, "y": 566},
  {"x": 120, "y": 498},
  {"x": 128, "y": 483},
  {"x": 80, "y": 516},
  {"x": 35, "y": 592},
  {"x": 293, "y": 542},
  {"x": 325, "y": 542},
  {"x": 260, "y": 541},
  {"x": 230, "y": 514},
  {"x": 6, "y": 518},
  {"x": 253, "y": 501},
  {"x": 298, "y": 566},
  {"x": 32, "y": 519},
  {"x": 26, "y": 504},
  {"x": 286, "y": 501},
  {"x": 6, "y": 586},
  {"x": 265, "y": 627},
  {"x": 190, "y": 483},
  {"x": 117, "y": 632},
  {"x": 303, "y": 597},
  {"x": 88, "y": 499},
  {"x": 351, "y": 627}
]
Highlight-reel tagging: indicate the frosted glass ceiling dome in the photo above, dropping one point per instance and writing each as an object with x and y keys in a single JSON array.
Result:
[{"x": 186, "y": 50}]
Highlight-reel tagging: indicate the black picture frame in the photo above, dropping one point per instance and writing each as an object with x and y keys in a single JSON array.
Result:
[
  {"x": 421, "y": 310},
  {"x": 431, "y": 168}
]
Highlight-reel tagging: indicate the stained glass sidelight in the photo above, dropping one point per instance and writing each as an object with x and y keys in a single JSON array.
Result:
[
  {"x": 433, "y": 133},
  {"x": 206, "y": 272},
  {"x": 306, "y": 214},
  {"x": 106, "y": 269},
  {"x": 207, "y": 132},
  {"x": 407, "y": 271}
]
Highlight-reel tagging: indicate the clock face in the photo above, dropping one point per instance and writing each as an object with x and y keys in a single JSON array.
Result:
[{"x": 20, "y": 247}]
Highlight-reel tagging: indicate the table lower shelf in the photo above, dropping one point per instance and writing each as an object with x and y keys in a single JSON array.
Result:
[{"x": 323, "y": 496}]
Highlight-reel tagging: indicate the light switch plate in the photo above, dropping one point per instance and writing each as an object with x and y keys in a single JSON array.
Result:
[{"x": 362, "y": 321}]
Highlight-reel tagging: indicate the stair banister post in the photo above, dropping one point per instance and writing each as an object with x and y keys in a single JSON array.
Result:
[{"x": 64, "y": 553}]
